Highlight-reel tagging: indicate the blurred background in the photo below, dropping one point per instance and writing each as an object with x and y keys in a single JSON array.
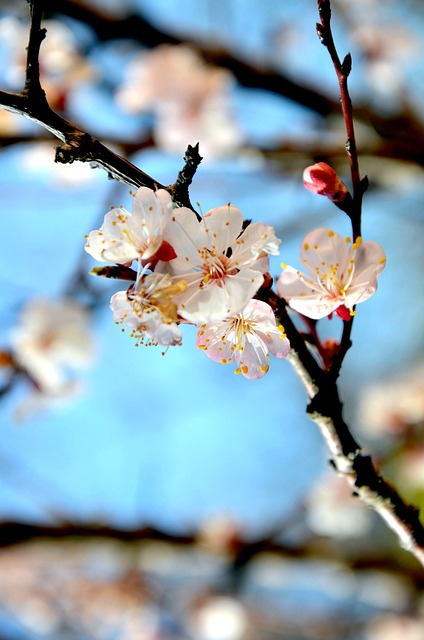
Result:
[{"x": 159, "y": 497}]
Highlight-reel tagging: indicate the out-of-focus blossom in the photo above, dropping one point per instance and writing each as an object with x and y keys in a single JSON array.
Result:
[
  {"x": 392, "y": 627},
  {"x": 246, "y": 339},
  {"x": 61, "y": 65},
  {"x": 331, "y": 509},
  {"x": 189, "y": 99},
  {"x": 387, "y": 53},
  {"x": 341, "y": 275},
  {"x": 51, "y": 343},
  {"x": 222, "y": 265},
  {"x": 125, "y": 236},
  {"x": 219, "y": 618},
  {"x": 149, "y": 310},
  {"x": 392, "y": 407},
  {"x": 320, "y": 178}
]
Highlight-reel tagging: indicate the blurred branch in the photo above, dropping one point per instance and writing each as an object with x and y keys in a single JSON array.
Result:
[
  {"x": 240, "y": 552},
  {"x": 401, "y": 135}
]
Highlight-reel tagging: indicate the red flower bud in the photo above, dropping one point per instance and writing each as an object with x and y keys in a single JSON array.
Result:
[{"x": 322, "y": 179}]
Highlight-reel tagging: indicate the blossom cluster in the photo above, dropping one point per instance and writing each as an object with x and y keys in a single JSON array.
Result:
[
  {"x": 203, "y": 272},
  {"x": 207, "y": 271}
]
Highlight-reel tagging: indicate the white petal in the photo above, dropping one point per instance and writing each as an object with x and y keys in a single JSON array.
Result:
[
  {"x": 324, "y": 251},
  {"x": 112, "y": 242},
  {"x": 222, "y": 226}
]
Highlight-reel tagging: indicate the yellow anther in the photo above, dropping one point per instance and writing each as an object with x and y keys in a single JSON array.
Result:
[
  {"x": 237, "y": 371},
  {"x": 306, "y": 246},
  {"x": 245, "y": 368},
  {"x": 330, "y": 233},
  {"x": 264, "y": 368},
  {"x": 382, "y": 260},
  {"x": 283, "y": 265}
]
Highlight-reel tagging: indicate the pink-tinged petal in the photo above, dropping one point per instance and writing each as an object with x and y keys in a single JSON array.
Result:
[
  {"x": 111, "y": 243},
  {"x": 324, "y": 253},
  {"x": 214, "y": 301},
  {"x": 245, "y": 339},
  {"x": 295, "y": 284},
  {"x": 241, "y": 288},
  {"x": 304, "y": 296},
  {"x": 256, "y": 240},
  {"x": 315, "y": 309},
  {"x": 213, "y": 339},
  {"x": 187, "y": 236},
  {"x": 369, "y": 258},
  {"x": 369, "y": 262},
  {"x": 222, "y": 226}
]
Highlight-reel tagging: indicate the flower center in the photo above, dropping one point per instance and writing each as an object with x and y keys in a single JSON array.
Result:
[{"x": 217, "y": 268}]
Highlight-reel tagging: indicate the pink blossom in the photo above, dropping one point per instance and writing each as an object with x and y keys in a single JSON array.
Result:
[
  {"x": 246, "y": 339},
  {"x": 148, "y": 309},
  {"x": 190, "y": 99},
  {"x": 340, "y": 274},
  {"x": 52, "y": 343},
  {"x": 322, "y": 179},
  {"x": 222, "y": 265},
  {"x": 125, "y": 236}
]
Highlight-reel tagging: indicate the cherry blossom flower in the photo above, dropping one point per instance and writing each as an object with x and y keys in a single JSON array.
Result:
[
  {"x": 125, "y": 236},
  {"x": 341, "y": 275},
  {"x": 51, "y": 343},
  {"x": 222, "y": 265},
  {"x": 246, "y": 339},
  {"x": 149, "y": 310}
]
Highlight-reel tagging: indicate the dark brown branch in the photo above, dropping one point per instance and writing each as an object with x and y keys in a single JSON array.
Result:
[
  {"x": 78, "y": 144},
  {"x": 15, "y": 533},
  {"x": 342, "y": 71},
  {"x": 180, "y": 194}
]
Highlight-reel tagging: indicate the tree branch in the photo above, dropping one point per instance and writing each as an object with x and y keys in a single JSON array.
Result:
[{"x": 78, "y": 145}]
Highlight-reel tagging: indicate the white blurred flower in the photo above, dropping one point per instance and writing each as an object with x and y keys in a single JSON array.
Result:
[
  {"x": 393, "y": 627},
  {"x": 392, "y": 406},
  {"x": 331, "y": 510},
  {"x": 189, "y": 99},
  {"x": 61, "y": 65},
  {"x": 52, "y": 342},
  {"x": 220, "y": 618}
]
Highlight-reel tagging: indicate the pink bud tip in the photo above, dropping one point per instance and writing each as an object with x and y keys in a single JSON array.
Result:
[{"x": 322, "y": 179}]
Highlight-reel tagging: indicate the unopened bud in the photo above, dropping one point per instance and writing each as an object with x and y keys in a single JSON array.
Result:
[{"x": 322, "y": 179}]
